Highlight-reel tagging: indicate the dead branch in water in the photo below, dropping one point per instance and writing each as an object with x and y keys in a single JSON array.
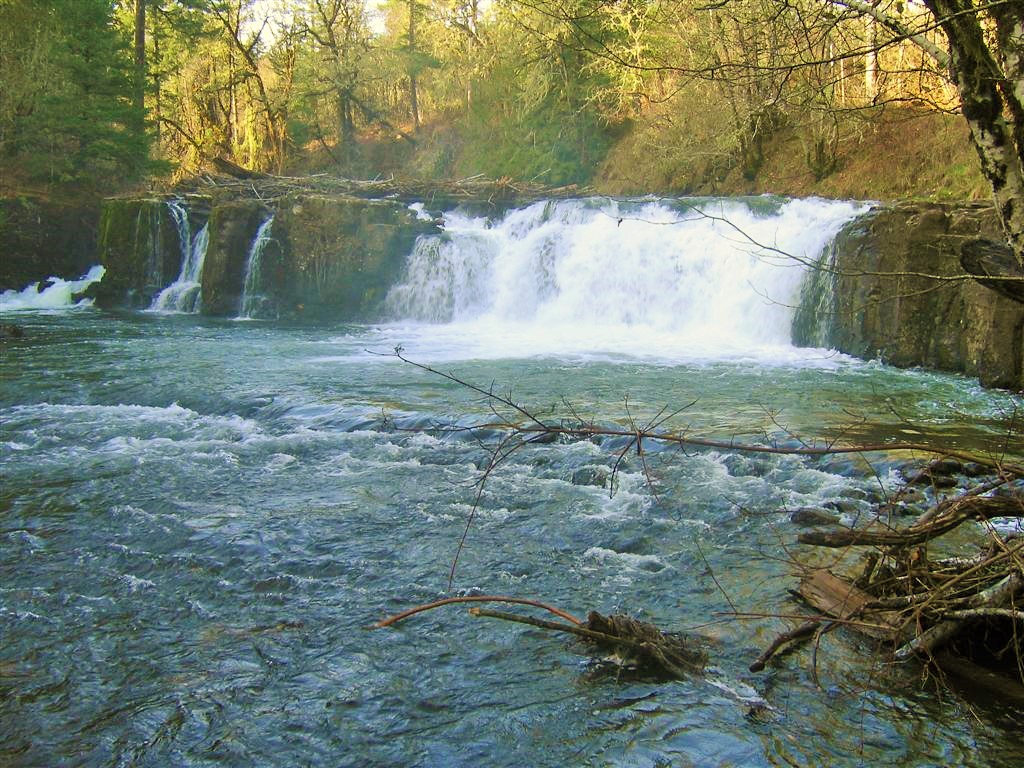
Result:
[
  {"x": 474, "y": 599},
  {"x": 637, "y": 644}
]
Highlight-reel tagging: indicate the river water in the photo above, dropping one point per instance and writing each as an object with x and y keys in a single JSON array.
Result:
[{"x": 200, "y": 518}]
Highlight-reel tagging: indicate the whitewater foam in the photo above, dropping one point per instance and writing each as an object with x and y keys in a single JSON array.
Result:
[
  {"x": 58, "y": 294},
  {"x": 669, "y": 280}
]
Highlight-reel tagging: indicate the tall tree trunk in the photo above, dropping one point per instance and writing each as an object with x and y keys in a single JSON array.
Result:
[
  {"x": 157, "y": 79},
  {"x": 414, "y": 104},
  {"x": 992, "y": 100},
  {"x": 871, "y": 62},
  {"x": 139, "y": 92}
]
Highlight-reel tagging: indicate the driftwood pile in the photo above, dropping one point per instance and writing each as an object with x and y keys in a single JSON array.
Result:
[
  {"x": 244, "y": 183},
  {"x": 942, "y": 609}
]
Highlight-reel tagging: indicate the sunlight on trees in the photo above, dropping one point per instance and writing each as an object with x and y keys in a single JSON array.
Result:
[{"x": 533, "y": 89}]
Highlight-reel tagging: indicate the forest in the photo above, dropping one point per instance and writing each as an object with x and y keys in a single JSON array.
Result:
[
  {"x": 697, "y": 325},
  {"x": 633, "y": 95}
]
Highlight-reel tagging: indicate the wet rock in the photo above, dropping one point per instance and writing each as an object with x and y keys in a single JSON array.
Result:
[
  {"x": 856, "y": 493},
  {"x": 990, "y": 258},
  {"x": 945, "y": 467},
  {"x": 843, "y": 506},
  {"x": 92, "y": 291},
  {"x": 640, "y": 545},
  {"x": 927, "y": 477},
  {"x": 842, "y": 466},
  {"x": 912, "y": 496},
  {"x": 747, "y": 466},
  {"x": 811, "y": 516},
  {"x": 974, "y": 469},
  {"x": 596, "y": 476},
  {"x": 965, "y": 327}
]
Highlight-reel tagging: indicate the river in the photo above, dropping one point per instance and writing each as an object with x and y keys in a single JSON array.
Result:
[{"x": 200, "y": 518}]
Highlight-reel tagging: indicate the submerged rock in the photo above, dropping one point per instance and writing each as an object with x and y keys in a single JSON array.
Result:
[
  {"x": 811, "y": 516},
  {"x": 597, "y": 476}
]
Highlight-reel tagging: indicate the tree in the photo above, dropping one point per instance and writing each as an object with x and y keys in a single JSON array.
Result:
[
  {"x": 805, "y": 53},
  {"x": 335, "y": 37},
  {"x": 68, "y": 109},
  {"x": 986, "y": 59},
  {"x": 246, "y": 40}
]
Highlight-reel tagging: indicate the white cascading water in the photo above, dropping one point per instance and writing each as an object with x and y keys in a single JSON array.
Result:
[
  {"x": 185, "y": 293},
  {"x": 58, "y": 293},
  {"x": 252, "y": 300},
  {"x": 699, "y": 278}
]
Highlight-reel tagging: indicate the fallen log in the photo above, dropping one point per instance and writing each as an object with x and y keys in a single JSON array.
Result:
[
  {"x": 836, "y": 597},
  {"x": 945, "y": 517},
  {"x": 636, "y": 644}
]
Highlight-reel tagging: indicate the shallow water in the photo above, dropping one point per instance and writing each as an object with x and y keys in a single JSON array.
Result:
[{"x": 199, "y": 520}]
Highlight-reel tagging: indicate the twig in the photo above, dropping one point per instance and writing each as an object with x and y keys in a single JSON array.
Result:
[
  {"x": 474, "y": 599},
  {"x": 806, "y": 629}
]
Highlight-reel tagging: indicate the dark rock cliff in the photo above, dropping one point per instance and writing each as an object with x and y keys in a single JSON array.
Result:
[
  {"x": 340, "y": 255},
  {"x": 140, "y": 250},
  {"x": 900, "y": 295},
  {"x": 41, "y": 239},
  {"x": 233, "y": 226}
]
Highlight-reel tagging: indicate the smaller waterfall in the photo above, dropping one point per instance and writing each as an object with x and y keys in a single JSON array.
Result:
[
  {"x": 184, "y": 294},
  {"x": 814, "y": 316},
  {"x": 55, "y": 293},
  {"x": 253, "y": 302}
]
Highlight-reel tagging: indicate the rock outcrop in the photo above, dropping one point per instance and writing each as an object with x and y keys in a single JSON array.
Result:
[
  {"x": 140, "y": 250},
  {"x": 330, "y": 257},
  {"x": 338, "y": 256},
  {"x": 41, "y": 239},
  {"x": 233, "y": 226},
  {"x": 901, "y": 295}
]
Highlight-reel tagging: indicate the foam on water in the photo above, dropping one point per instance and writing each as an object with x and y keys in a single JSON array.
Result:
[{"x": 56, "y": 295}]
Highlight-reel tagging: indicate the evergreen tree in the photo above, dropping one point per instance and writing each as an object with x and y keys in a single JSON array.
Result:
[{"x": 71, "y": 117}]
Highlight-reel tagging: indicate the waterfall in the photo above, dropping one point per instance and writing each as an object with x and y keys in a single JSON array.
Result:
[
  {"x": 816, "y": 308},
  {"x": 184, "y": 294},
  {"x": 705, "y": 276},
  {"x": 254, "y": 303},
  {"x": 57, "y": 293}
]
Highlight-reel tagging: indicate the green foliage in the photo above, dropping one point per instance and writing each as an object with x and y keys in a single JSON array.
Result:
[
  {"x": 537, "y": 90},
  {"x": 550, "y": 144},
  {"x": 67, "y": 115}
]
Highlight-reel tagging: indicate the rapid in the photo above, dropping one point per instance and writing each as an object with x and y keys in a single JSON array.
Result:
[{"x": 200, "y": 518}]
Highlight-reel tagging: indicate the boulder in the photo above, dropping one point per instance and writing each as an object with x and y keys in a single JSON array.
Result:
[{"x": 889, "y": 304}]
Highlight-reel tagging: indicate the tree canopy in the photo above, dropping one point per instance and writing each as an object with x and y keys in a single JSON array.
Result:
[{"x": 531, "y": 89}]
